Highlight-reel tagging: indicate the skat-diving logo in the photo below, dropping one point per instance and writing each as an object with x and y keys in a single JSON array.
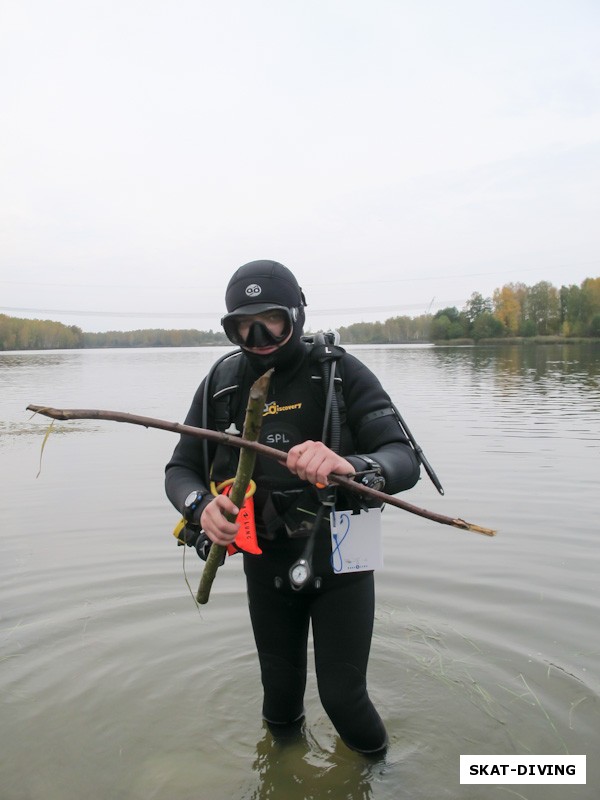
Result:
[{"x": 274, "y": 408}]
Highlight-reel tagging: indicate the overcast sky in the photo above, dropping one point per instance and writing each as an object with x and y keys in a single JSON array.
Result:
[{"x": 397, "y": 155}]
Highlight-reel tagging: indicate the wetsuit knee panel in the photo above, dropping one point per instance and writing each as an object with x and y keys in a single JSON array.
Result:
[
  {"x": 284, "y": 686},
  {"x": 340, "y": 685}
]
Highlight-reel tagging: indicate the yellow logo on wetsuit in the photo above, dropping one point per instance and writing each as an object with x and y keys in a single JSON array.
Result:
[{"x": 274, "y": 408}]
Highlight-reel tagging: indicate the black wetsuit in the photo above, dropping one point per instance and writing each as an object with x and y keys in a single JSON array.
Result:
[{"x": 341, "y": 607}]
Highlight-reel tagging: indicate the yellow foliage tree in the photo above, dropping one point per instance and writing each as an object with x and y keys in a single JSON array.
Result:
[{"x": 508, "y": 306}]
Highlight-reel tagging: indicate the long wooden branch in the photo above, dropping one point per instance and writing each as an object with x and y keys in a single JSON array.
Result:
[
  {"x": 260, "y": 449},
  {"x": 245, "y": 468}
]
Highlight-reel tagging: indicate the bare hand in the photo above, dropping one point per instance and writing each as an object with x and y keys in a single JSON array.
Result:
[
  {"x": 214, "y": 524},
  {"x": 313, "y": 461}
]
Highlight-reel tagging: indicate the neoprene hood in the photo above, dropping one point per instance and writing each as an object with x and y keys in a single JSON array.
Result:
[{"x": 261, "y": 285}]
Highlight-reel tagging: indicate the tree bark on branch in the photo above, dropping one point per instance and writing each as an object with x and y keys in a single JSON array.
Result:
[{"x": 260, "y": 449}]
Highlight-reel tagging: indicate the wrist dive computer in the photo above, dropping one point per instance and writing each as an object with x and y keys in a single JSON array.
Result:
[{"x": 191, "y": 503}]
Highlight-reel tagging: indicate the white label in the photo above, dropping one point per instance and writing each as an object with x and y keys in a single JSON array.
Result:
[{"x": 356, "y": 541}]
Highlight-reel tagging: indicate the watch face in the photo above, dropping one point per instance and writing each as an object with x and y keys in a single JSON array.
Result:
[{"x": 191, "y": 498}]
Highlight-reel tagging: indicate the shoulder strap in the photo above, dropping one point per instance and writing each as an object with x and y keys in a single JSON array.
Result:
[{"x": 325, "y": 353}]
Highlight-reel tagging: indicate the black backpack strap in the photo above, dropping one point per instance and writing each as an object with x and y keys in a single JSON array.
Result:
[{"x": 325, "y": 354}]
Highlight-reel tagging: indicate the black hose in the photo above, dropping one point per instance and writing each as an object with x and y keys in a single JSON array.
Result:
[{"x": 331, "y": 422}]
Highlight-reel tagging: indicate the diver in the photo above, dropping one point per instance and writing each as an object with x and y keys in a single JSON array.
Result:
[{"x": 330, "y": 414}]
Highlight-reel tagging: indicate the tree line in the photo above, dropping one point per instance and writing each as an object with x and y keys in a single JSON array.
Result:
[
  {"x": 514, "y": 310},
  {"x": 155, "y": 337},
  {"x": 525, "y": 311},
  {"x": 36, "y": 334}
]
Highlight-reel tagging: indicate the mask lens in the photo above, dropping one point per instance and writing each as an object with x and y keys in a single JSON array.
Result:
[
  {"x": 259, "y": 330},
  {"x": 230, "y": 326}
]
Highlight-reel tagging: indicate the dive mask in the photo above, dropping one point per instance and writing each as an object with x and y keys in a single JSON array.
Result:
[{"x": 247, "y": 326}]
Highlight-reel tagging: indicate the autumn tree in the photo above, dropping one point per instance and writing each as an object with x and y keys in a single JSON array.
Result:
[{"x": 508, "y": 306}]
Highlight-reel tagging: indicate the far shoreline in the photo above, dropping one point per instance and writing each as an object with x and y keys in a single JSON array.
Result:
[
  {"x": 523, "y": 341},
  {"x": 517, "y": 340}
]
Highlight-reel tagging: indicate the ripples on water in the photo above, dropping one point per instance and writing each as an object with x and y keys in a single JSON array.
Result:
[{"x": 113, "y": 684}]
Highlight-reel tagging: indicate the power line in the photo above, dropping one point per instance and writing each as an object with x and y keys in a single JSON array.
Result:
[{"x": 310, "y": 311}]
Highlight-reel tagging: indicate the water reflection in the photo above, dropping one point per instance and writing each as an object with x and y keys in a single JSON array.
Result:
[
  {"x": 296, "y": 768},
  {"x": 10, "y": 429},
  {"x": 36, "y": 358},
  {"x": 541, "y": 366}
]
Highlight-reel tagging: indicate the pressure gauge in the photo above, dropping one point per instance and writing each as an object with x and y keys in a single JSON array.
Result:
[{"x": 299, "y": 573}]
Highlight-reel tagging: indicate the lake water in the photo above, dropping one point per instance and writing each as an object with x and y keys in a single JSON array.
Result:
[{"x": 114, "y": 685}]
